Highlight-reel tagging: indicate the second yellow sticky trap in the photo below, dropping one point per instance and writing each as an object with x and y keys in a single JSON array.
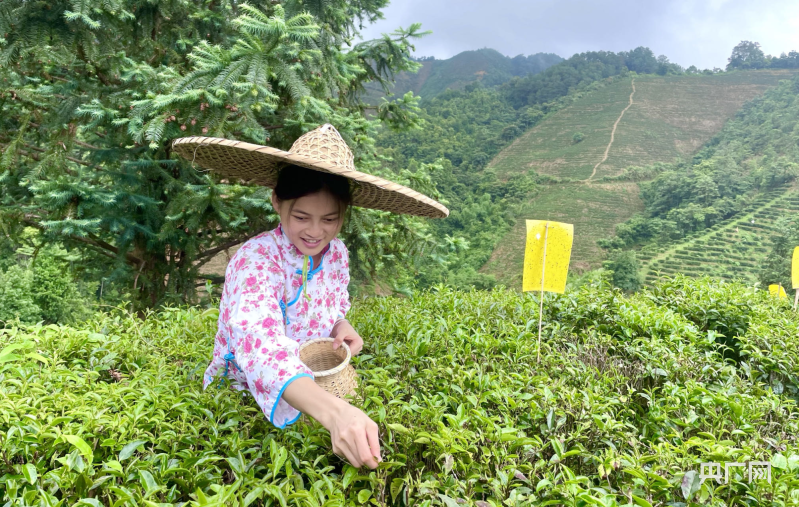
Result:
[
  {"x": 559, "y": 240},
  {"x": 795, "y": 268},
  {"x": 777, "y": 290}
]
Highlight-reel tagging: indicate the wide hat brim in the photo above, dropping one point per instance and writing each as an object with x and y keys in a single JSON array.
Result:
[{"x": 254, "y": 163}]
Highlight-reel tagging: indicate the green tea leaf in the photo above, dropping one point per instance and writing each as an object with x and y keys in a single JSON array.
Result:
[
  {"x": 396, "y": 488},
  {"x": 363, "y": 495},
  {"x": 6, "y": 353},
  {"x": 129, "y": 449},
  {"x": 779, "y": 461},
  {"x": 38, "y": 357},
  {"x": 82, "y": 446},
  {"x": 449, "y": 502},
  {"x": 691, "y": 482},
  {"x": 398, "y": 428},
  {"x": 113, "y": 465},
  {"x": 148, "y": 481},
  {"x": 29, "y": 472},
  {"x": 253, "y": 495},
  {"x": 350, "y": 473}
]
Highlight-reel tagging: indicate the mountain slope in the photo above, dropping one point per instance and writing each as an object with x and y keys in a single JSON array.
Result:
[
  {"x": 487, "y": 66},
  {"x": 671, "y": 117}
]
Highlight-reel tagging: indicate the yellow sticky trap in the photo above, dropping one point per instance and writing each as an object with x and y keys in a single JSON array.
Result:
[
  {"x": 777, "y": 290},
  {"x": 795, "y": 268},
  {"x": 559, "y": 238}
]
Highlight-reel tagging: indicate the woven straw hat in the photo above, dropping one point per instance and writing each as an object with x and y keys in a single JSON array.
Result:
[
  {"x": 322, "y": 149},
  {"x": 331, "y": 369}
]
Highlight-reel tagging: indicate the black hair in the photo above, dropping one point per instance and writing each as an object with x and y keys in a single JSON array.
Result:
[{"x": 294, "y": 181}]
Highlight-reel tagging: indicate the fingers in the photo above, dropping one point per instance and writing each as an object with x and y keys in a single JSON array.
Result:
[
  {"x": 355, "y": 438},
  {"x": 374, "y": 444},
  {"x": 352, "y": 457},
  {"x": 355, "y": 343},
  {"x": 366, "y": 449},
  {"x": 337, "y": 341}
]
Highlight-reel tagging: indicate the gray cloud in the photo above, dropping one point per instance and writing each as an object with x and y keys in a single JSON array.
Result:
[{"x": 700, "y": 33}]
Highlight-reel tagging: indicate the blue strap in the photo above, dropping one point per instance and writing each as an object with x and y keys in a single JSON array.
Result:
[
  {"x": 313, "y": 271},
  {"x": 229, "y": 358},
  {"x": 283, "y": 309},
  {"x": 283, "y": 305}
]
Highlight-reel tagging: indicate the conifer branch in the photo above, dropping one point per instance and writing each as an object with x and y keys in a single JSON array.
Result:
[
  {"x": 101, "y": 246},
  {"x": 37, "y": 158},
  {"x": 208, "y": 254}
]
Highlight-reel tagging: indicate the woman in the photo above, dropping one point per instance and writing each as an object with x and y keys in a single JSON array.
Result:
[{"x": 289, "y": 285}]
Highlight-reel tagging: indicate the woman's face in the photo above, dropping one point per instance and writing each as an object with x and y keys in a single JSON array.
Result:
[{"x": 312, "y": 223}]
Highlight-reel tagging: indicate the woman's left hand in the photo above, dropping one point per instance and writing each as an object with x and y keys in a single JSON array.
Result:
[{"x": 344, "y": 332}]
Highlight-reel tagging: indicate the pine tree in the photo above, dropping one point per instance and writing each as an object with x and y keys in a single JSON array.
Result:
[{"x": 92, "y": 93}]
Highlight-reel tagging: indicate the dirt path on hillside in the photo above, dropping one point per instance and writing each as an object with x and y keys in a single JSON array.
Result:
[{"x": 613, "y": 134}]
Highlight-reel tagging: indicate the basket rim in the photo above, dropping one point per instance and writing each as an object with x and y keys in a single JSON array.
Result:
[{"x": 332, "y": 371}]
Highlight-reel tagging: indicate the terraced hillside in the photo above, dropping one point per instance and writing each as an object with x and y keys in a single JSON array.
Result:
[
  {"x": 593, "y": 209},
  {"x": 734, "y": 249},
  {"x": 670, "y": 117}
]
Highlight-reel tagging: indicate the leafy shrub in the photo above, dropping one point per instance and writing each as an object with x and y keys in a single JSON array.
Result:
[
  {"x": 577, "y": 137},
  {"x": 630, "y": 395},
  {"x": 16, "y": 296},
  {"x": 626, "y": 271},
  {"x": 54, "y": 289},
  {"x": 43, "y": 291}
]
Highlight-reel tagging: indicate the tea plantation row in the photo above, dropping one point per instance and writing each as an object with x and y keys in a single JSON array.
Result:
[{"x": 631, "y": 394}]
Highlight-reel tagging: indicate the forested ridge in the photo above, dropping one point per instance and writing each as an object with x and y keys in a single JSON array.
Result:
[{"x": 486, "y": 65}]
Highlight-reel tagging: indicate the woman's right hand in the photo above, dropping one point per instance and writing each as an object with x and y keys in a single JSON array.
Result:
[{"x": 353, "y": 434}]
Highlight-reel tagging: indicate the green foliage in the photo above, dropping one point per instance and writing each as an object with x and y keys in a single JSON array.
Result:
[
  {"x": 580, "y": 71},
  {"x": 91, "y": 97},
  {"x": 734, "y": 249},
  {"x": 747, "y": 55},
  {"x": 777, "y": 266},
  {"x": 41, "y": 288},
  {"x": 54, "y": 288},
  {"x": 631, "y": 394},
  {"x": 577, "y": 137},
  {"x": 16, "y": 296},
  {"x": 626, "y": 271}
]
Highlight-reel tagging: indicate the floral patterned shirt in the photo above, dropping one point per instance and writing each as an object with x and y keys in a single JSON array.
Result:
[{"x": 262, "y": 281}]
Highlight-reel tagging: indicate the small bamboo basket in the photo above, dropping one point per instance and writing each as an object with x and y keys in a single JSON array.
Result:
[{"x": 331, "y": 369}]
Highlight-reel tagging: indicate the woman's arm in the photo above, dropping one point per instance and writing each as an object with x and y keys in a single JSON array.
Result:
[{"x": 352, "y": 433}]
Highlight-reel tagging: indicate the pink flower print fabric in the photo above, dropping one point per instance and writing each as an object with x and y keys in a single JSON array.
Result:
[{"x": 262, "y": 274}]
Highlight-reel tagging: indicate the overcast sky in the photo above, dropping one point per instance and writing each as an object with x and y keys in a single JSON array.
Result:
[{"x": 699, "y": 32}]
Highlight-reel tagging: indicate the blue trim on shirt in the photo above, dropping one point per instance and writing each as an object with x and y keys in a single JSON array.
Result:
[
  {"x": 277, "y": 400},
  {"x": 283, "y": 305}
]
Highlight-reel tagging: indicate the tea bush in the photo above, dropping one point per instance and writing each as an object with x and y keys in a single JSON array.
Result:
[{"x": 630, "y": 395}]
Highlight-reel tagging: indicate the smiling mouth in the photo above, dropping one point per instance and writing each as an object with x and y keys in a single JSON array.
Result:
[{"x": 311, "y": 242}]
